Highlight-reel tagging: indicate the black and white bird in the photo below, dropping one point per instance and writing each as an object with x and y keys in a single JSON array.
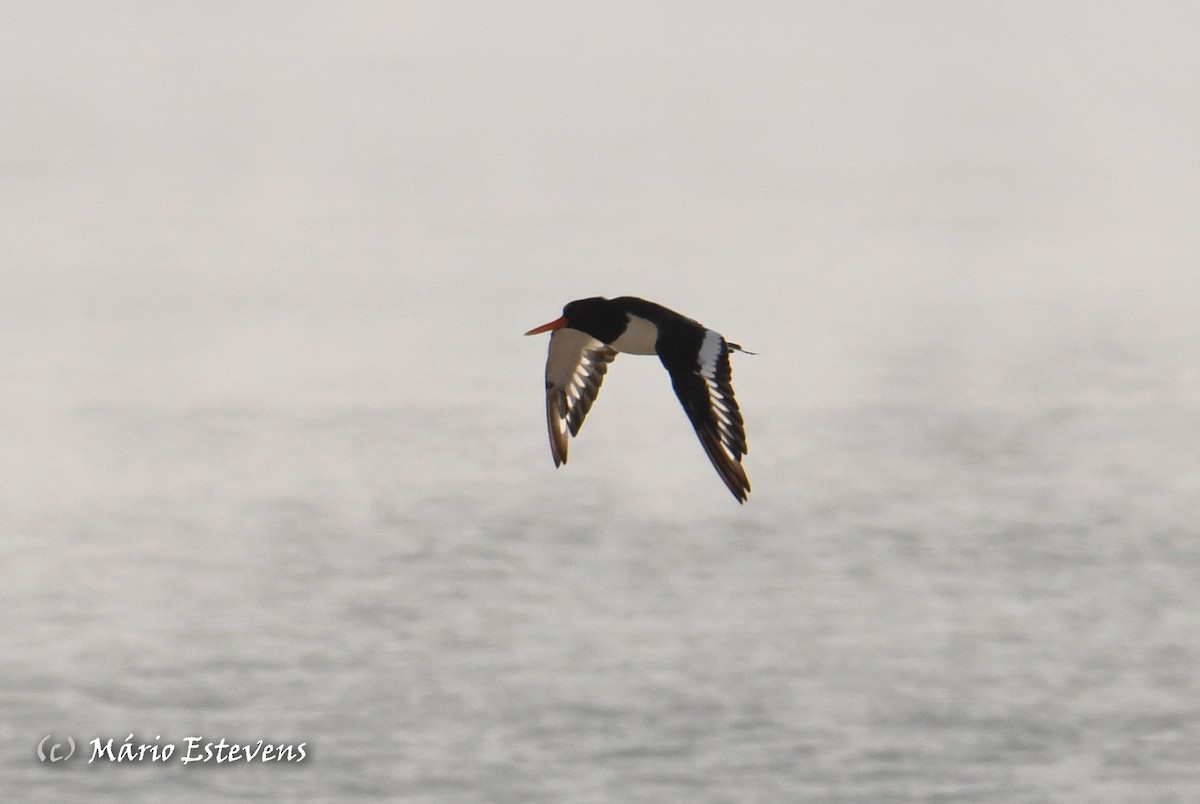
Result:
[{"x": 590, "y": 334}]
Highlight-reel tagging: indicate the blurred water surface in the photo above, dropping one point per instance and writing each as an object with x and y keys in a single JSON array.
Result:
[{"x": 274, "y": 458}]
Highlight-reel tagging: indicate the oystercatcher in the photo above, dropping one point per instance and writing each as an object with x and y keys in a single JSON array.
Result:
[{"x": 588, "y": 336}]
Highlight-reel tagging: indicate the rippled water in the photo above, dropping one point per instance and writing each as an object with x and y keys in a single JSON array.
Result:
[
  {"x": 274, "y": 457},
  {"x": 973, "y": 602}
]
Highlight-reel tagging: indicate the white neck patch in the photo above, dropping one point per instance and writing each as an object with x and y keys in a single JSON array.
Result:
[{"x": 639, "y": 337}]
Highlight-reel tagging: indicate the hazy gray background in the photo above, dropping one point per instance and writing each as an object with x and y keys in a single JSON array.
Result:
[{"x": 273, "y": 450}]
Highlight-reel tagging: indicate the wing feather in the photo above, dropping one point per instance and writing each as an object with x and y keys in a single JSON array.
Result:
[
  {"x": 705, "y": 389},
  {"x": 575, "y": 368}
]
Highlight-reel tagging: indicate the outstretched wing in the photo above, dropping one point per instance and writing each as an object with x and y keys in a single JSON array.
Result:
[
  {"x": 575, "y": 367},
  {"x": 704, "y": 387}
]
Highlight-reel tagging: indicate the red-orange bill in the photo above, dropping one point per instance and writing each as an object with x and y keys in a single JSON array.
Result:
[{"x": 557, "y": 323}]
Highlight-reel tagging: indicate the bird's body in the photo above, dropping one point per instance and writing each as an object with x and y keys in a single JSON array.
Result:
[{"x": 590, "y": 334}]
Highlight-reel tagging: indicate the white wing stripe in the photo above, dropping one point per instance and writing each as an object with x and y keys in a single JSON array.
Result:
[
  {"x": 710, "y": 354},
  {"x": 714, "y": 370}
]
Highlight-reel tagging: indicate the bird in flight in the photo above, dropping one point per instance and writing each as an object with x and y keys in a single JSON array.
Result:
[{"x": 589, "y": 335}]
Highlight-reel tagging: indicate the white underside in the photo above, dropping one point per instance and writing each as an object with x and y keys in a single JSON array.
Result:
[{"x": 638, "y": 338}]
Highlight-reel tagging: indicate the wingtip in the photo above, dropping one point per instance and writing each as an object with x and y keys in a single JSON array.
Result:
[
  {"x": 741, "y": 494},
  {"x": 558, "y": 438},
  {"x": 731, "y": 471}
]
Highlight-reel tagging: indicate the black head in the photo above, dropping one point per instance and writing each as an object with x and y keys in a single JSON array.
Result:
[{"x": 599, "y": 317}]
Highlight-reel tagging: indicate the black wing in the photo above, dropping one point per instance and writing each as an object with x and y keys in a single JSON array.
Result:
[
  {"x": 703, "y": 384},
  {"x": 575, "y": 367}
]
